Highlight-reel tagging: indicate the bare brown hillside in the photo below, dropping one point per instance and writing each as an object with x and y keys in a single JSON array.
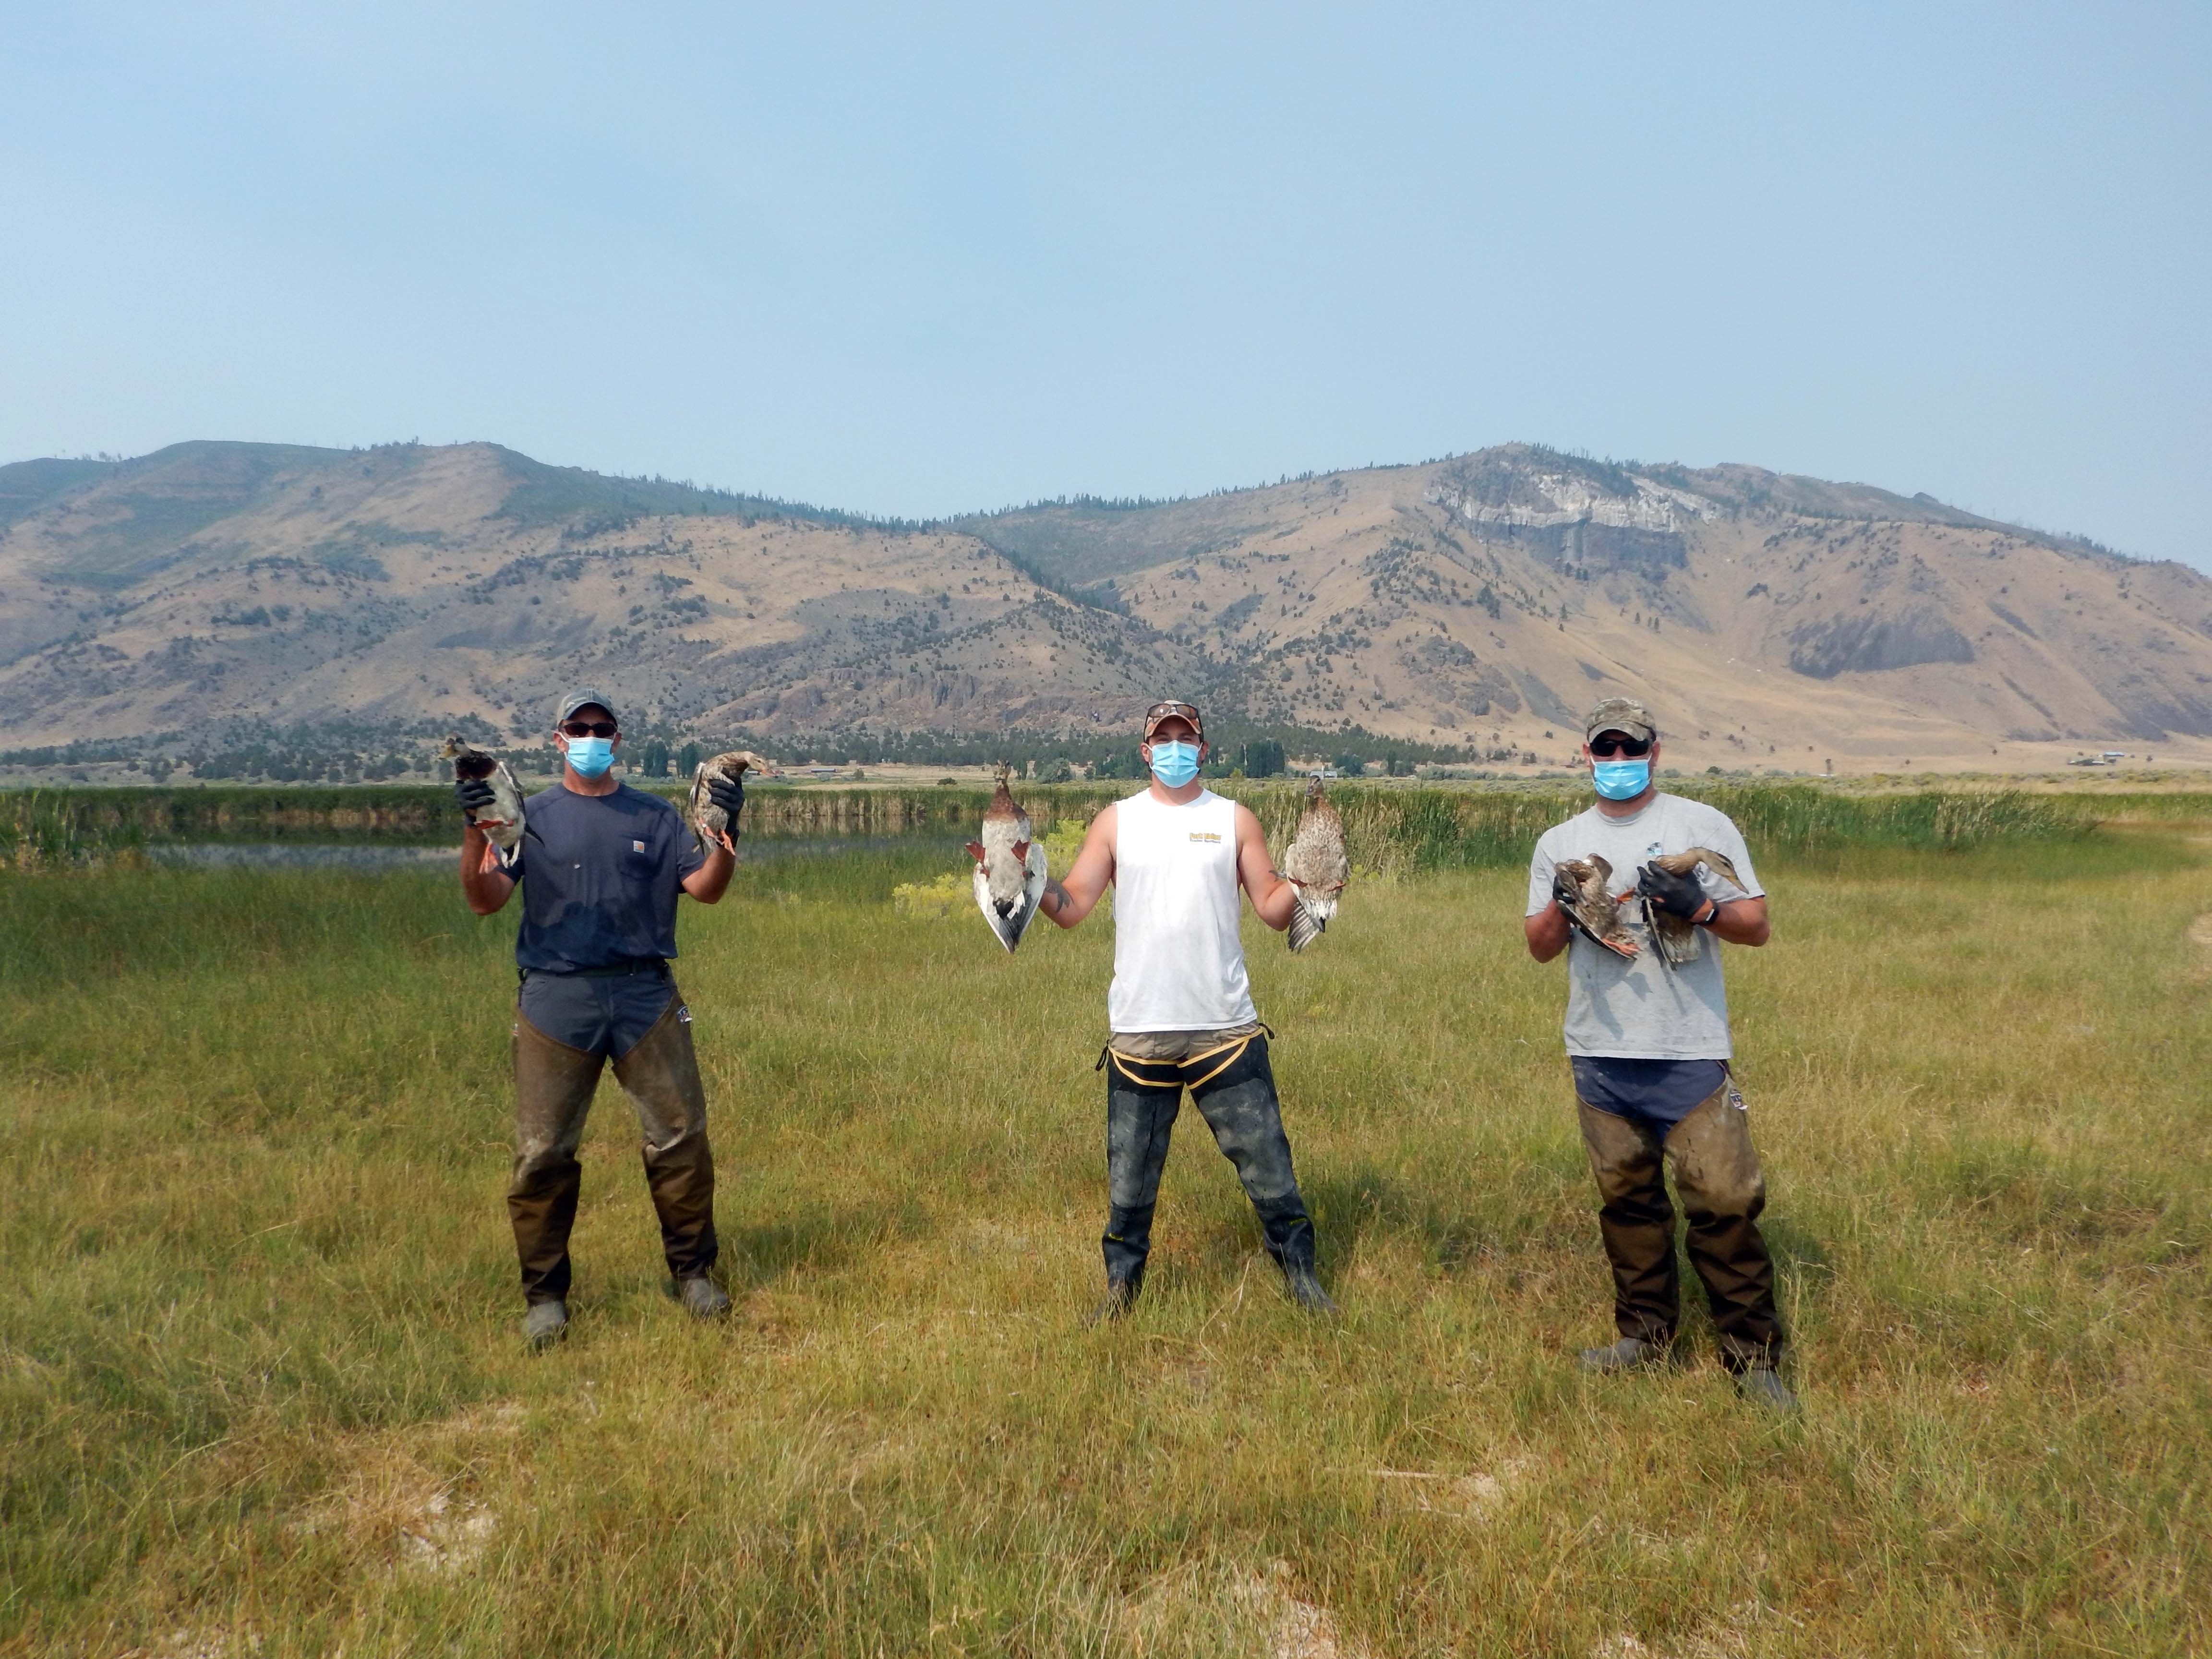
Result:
[{"x": 1479, "y": 601}]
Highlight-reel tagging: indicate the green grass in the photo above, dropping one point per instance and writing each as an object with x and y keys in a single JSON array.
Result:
[{"x": 259, "y": 1318}]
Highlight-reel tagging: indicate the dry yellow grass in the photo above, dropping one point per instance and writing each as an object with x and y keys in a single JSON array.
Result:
[{"x": 261, "y": 1390}]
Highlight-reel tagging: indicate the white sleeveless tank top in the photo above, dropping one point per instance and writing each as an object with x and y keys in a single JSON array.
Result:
[{"x": 1178, "y": 963}]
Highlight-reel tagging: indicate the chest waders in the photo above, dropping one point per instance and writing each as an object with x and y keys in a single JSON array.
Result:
[
  {"x": 1233, "y": 1087},
  {"x": 1724, "y": 1191},
  {"x": 554, "y": 1082}
]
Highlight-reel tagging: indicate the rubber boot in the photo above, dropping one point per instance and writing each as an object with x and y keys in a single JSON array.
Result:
[
  {"x": 1763, "y": 1386},
  {"x": 1629, "y": 1353},
  {"x": 703, "y": 1298},
  {"x": 1127, "y": 1245},
  {"x": 1289, "y": 1232},
  {"x": 546, "y": 1323}
]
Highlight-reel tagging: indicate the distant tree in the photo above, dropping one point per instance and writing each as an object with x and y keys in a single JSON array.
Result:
[
  {"x": 1263, "y": 758},
  {"x": 688, "y": 759},
  {"x": 1352, "y": 766},
  {"x": 1488, "y": 600},
  {"x": 653, "y": 759}
]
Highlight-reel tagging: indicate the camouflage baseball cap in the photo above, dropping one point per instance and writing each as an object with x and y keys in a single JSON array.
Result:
[
  {"x": 1622, "y": 715},
  {"x": 580, "y": 696}
]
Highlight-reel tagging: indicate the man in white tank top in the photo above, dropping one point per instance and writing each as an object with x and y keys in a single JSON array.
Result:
[{"x": 1180, "y": 1010}]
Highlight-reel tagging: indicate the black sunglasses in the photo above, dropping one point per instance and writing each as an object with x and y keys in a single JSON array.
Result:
[
  {"x": 1607, "y": 748},
  {"x": 588, "y": 728}
]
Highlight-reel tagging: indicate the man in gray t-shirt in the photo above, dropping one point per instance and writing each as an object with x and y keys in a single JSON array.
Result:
[{"x": 1648, "y": 1037}]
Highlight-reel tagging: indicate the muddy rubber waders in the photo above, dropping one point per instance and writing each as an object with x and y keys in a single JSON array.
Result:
[
  {"x": 1716, "y": 1173},
  {"x": 553, "y": 1086},
  {"x": 1234, "y": 1089}
]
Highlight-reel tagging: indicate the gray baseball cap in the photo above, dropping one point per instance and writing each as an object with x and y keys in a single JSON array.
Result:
[
  {"x": 1622, "y": 715},
  {"x": 579, "y": 696}
]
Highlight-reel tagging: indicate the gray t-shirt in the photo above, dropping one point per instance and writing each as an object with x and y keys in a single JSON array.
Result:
[{"x": 1644, "y": 1009}]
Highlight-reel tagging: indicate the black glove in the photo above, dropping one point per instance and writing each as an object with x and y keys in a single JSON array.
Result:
[
  {"x": 1677, "y": 896},
  {"x": 729, "y": 795},
  {"x": 1564, "y": 890},
  {"x": 473, "y": 793}
]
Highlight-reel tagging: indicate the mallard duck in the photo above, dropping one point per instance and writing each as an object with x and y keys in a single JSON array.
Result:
[
  {"x": 1316, "y": 864},
  {"x": 709, "y": 822},
  {"x": 1584, "y": 888},
  {"x": 1678, "y": 939},
  {"x": 1010, "y": 866},
  {"x": 502, "y": 825}
]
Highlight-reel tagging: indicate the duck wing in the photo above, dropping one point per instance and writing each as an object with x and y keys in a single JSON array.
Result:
[
  {"x": 506, "y": 801},
  {"x": 1590, "y": 906},
  {"x": 1033, "y": 884},
  {"x": 709, "y": 823},
  {"x": 1009, "y": 921},
  {"x": 1318, "y": 864},
  {"x": 1674, "y": 938},
  {"x": 1677, "y": 939},
  {"x": 999, "y": 930}
]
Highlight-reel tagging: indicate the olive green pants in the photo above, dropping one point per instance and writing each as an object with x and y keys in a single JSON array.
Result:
[
  {"x": 553, "y": 1088},
  {"x": 1718, "y": 1177}
]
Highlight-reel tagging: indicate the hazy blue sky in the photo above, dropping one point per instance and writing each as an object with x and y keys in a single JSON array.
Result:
[{"x": 914, "y": 259}]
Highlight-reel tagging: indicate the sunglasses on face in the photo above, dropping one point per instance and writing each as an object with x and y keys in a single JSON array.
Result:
[
  {"x": 1606, "y": 748},
  {"x": 587, "y": 728}
]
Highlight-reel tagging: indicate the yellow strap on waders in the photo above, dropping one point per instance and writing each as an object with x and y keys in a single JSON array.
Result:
[{"x": 1233, "y": 1049}]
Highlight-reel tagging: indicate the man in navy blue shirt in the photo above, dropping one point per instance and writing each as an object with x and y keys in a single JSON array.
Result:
[{"x": 600, "y": 865}]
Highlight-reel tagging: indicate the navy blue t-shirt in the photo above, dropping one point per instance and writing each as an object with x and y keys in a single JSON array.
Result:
[{"x": 600, "y": 875}]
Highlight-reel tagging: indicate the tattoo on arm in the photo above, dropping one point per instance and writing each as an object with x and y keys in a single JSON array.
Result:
[{"x": 1056, "y": 892}]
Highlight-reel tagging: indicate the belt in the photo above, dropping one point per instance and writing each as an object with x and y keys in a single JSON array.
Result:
[{"x": 653, "y": 967}]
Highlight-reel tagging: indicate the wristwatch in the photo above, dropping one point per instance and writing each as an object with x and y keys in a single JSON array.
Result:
[{"x": 1712, "y": 915}]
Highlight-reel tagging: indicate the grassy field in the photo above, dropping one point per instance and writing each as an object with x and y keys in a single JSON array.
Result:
[{"x": 261, "y": 1392}]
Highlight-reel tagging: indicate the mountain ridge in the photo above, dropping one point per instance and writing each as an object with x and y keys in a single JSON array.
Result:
[{"x": 1466, "y": 604}]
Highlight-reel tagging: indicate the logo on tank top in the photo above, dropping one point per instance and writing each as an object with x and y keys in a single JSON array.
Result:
[{"x": 1206, "y": 835}]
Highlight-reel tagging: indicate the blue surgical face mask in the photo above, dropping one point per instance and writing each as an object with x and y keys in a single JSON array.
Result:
[
  {"x": 591, "y": 756},
  {"x": 1621, "y": 779},
  {"x": 1174, "y": 764}
]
